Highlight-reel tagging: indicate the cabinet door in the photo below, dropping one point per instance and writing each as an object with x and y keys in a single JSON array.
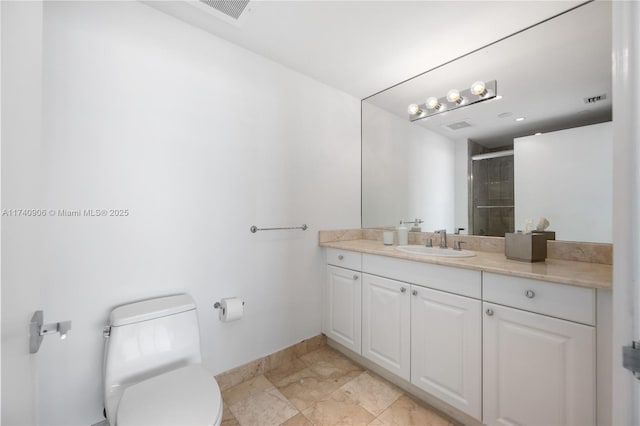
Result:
[
  {"x": 446, "y": 348},
  {"x": 538, "y": 370},
  {"x": 343, "y": 302},
  {"x": 386, "y": 315}
]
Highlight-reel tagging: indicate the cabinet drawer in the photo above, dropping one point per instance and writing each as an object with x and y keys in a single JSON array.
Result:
[
  {"x": 453, "y": 280},
  {"x": 344, "y": 258},
  {"x": 557, "y": 300}
]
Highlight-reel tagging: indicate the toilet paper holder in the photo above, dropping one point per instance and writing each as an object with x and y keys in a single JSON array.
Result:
[{"x": 217, "y": 305}]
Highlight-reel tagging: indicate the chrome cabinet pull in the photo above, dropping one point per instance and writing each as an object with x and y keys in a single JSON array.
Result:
[
  {"x": 489, "y": 312},
  {"x": 530, "y": 294},
  {"x": 340, "y": 257},
  {"x": 414, "y": 292},
  {"x": 403, "y": 290},
  {"x": 355, "y": 277}
]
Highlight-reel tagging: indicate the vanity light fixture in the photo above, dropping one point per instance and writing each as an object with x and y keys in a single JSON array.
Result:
[
  {"x": 433, "y": 103},
  {"x": 479, "y": 88},
  {"x": 453, "y": 95},
  {"x": 414, "y": 109},
  {"x": 479, "y": 91}
]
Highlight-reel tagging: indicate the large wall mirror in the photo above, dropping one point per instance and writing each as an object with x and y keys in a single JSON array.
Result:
[{"x": 542, "y": 147}]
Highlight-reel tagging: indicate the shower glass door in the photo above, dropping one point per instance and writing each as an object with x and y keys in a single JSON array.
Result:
[{"x": 492, "y": 212}]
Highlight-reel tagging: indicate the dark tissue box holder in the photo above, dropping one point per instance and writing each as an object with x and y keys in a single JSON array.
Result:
[{"x": 527, "y": 247}]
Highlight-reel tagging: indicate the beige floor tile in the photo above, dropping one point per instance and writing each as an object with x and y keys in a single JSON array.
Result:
[
  {"x": 337, "y": 413},
  {"x": 245, "y": 390},
  {"x": 371, "y": 393},
  {"x": 240, "y": 374},
  {"x": 276, "y": 359},
  {"x": 329, "y": 363},
  {"x": 298, "y": 420},
  {"x": 285, "y": 370},
  {"x": 227, "y": 418},
  {"x": 407, "y": 412},
  {"x": 306, "y": 387},
  {"x": 316, "y": 342},
  {"x": 268, "y": 407},
  {"x": 300, "y": 348},
  {"x": 230, "y": 422},
  {"x": 226, "y": 413},
  {"x": 322, "y": 387},
  {"x": 323, "y": 354},
  {"x": 342, "y": 370}
]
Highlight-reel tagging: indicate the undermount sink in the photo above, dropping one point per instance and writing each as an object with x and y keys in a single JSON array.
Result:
[{"x": 436, "y": 251}]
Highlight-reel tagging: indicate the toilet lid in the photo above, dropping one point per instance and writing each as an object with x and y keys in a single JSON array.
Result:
[{"x": 186, "y": 396}]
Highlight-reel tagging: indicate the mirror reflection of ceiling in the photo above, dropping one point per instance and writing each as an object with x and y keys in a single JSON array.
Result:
[{"x": 544, "y": 74}]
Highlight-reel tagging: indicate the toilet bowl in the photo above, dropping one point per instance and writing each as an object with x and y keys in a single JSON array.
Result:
[{"x": 152, "y": 366}]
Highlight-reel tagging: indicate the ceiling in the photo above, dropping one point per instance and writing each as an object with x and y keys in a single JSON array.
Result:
[
  {"x": 362, "y": 47},
  {"x": 543, "y": 75}
]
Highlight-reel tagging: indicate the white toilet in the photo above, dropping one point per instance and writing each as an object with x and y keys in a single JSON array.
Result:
[{"x": 152, "y": 370}]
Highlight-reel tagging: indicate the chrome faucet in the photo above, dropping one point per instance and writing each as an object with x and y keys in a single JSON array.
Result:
[{"x": 443, "y": 237}]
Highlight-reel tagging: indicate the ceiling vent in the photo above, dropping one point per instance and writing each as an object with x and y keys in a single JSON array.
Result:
[
  {"x": 594, "y": 99},
  {"x": 231, "y": 8},
  {"x": 458, "y": 125}
]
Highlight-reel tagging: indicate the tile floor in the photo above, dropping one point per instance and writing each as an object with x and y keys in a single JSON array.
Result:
[{"x": 323, "y": 388}]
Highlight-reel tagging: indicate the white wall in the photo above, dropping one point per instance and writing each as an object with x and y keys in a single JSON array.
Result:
[
  {"x": 566, "y": 176},
  {"x": 408, "y": 172},
  {"x": 21, "y": 189},
  {"x": 198, "y": 139}
]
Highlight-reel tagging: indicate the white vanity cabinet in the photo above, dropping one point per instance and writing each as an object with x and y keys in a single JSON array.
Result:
[
  {"x": 446, "y": 348},
  {"x": 538, "y": 369},
  {"x": 342, "y": 316},
  {"x": 504, "y": 350},
  {"x": 386, "y": 315},
  {"x": 429, "y": 337}
]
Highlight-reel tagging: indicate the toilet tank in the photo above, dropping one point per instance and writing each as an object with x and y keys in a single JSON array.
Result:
[{"x": 150, "y": 337}]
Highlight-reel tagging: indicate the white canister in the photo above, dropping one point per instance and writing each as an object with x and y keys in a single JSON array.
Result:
[
  {"x": 403, "y": 234},
  {"x": 387, "y": 238}
]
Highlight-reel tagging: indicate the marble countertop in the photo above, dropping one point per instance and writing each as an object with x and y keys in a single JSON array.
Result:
[{"x": 582, "y": 274}]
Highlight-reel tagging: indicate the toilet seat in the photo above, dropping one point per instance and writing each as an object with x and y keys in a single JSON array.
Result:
[{"x": 186, "y": 396}]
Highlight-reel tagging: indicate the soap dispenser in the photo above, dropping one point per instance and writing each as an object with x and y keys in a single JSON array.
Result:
[{"x": 403, "y": 234}]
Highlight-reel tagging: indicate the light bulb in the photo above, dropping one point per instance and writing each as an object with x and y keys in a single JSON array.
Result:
[
  {"x": 454, "y": 96},
  {"x": 432, "y": 103},
  {"x": 478, "y": 88},
  {"x": 414, "y": 109}
]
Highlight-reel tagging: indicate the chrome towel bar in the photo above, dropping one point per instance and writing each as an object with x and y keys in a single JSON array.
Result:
[{"x": 255, "y": 229}]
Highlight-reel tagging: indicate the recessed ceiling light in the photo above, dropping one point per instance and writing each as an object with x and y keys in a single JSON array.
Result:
[{"x": 520, "y": 118}]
